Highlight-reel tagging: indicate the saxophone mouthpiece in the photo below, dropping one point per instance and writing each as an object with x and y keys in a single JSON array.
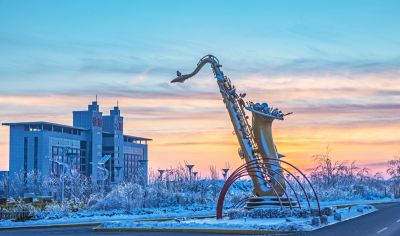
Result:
[{"x": 180, "y": 78}]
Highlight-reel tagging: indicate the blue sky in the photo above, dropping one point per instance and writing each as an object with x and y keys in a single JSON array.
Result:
[
  {"x": 314, "y": 57},
  {"x": 68, "y": 35}
]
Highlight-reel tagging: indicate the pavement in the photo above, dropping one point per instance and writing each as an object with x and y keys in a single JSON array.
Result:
[{"x": 384, "y": 222}]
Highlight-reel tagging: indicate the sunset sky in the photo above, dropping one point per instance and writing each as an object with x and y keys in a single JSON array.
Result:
[{"x": 335, "y": 64}]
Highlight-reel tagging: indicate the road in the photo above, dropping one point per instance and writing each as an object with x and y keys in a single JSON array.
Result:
[{"x": 384, "y": 222}]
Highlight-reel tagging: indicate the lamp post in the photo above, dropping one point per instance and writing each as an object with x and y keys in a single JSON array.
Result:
[
  {"x": 225, "y": 172},
  {"x": 170, "y": 172},
  {"x": 195, "y": 175},
  {"x": 161, "y": 172},
  {"x": 190, "y": 168}
]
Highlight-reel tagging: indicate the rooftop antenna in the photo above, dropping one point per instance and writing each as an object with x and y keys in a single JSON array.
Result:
[
  {"x": 96, "y": 97},
  {"x": 117, "y": 103}
]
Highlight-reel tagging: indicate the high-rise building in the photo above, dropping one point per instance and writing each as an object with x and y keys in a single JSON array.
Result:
[{"x": 41, "y": 146}]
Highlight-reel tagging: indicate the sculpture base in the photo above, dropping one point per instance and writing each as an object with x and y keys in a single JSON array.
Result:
[{"x": 269, "y": 202}]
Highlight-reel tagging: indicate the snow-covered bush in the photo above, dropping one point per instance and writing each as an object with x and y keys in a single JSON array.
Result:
[
  {"x": 126, "y": 196},
  {"x": 53, "y": 211},
  {"x": 176, "y": 188},
  {"x": 331, "y": 179},
  {"x": 267, "y": 213},
  {"x": 28, "y": 212},
  {"x": 340, "y": 180}
]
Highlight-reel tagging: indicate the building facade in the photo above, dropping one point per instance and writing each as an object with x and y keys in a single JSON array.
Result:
[{"x": 49, "y": 147}]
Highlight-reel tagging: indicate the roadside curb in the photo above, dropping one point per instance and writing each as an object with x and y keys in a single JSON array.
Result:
[
  {"x": 172, "y": 218},
  {"x": 189, "y": 230},
  {"x": 52, "y": 226},
  {"x": 366, "y": 203},
  {"x": 94, "y": 223}
]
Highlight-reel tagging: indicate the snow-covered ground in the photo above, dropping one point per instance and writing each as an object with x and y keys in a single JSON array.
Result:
[
  {"x": 278, "y": 224},
  {"x": 273, "y": 224},
  {"x": 87, "y": 216},
  {"x": 102, "y": 216},
  {"x": 356, "y": 202}
]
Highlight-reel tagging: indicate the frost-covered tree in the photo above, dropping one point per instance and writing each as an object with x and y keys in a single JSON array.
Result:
[
  {"x": 214, "y": 181},
  {"x": 394, "y": 172},
  {"x": 33, "y": 182},
  {"x": 394, "y": 167},
  {"x": 327, "y": 170},
  {"x": 78, "y": 186},
  {"x": 17, "y": 184},
  {"x": 124, "y": 196},
  {"x": 50, "y": 186},
  {"x": 341, "y": 180},
  {"x": 4, "y": 186},
  {"x": 132, "y": 195}
]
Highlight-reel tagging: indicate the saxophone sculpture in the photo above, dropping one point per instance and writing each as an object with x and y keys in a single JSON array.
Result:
[{"x": 256, "y": 142}]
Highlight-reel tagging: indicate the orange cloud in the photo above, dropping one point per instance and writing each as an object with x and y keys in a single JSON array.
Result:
[{"x": 357, "y": 118}]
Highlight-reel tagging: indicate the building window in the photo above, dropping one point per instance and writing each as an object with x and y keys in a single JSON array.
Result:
[
  {"x": 25, "y": 157},
  {"x": 35, "y": 154},
  {"x": 83, "y": 158},
  {"x": 73, "y": 157},
  {"x": 133, "y": 170}
]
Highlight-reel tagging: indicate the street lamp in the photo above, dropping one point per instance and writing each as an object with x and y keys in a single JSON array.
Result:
[
  {"x": 195, "y": 175},
  {"x": 190, "y": 168},
  {"x": 170, "y": 173},
  {"x": 161, "y": 172},
  {"x": 225, "y": 172}
]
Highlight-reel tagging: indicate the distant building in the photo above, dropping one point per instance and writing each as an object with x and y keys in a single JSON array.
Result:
[{"x": 33, "y": 146}]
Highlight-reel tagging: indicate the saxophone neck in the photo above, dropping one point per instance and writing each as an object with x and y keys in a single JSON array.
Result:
[{"x": 206, "y": 59}]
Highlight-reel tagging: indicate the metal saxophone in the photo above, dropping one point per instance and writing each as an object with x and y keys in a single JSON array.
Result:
[{"x": 256, "y": 142}]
